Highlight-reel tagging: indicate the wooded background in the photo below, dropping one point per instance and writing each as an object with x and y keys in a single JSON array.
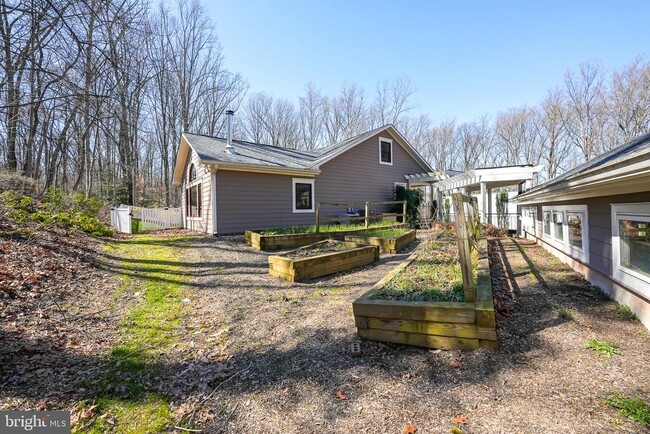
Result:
[{"x": 94, "y": 95}]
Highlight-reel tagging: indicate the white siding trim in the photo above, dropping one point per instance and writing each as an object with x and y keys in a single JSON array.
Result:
[
  {"x": 392, "y": 156},
  {"x": 632, "y": 211},
  {"x": 295, "y": 181},
  {"x": 213, "y": 192}
]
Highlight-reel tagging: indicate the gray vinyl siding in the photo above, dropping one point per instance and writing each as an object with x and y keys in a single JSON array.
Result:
[
  {"x": 600, "y": 226},
  {"x": 248, "y": 200},
  {"x": 357, "y": 174}
]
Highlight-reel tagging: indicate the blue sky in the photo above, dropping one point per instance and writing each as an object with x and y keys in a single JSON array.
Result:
[{"x": 464, "y": 58}]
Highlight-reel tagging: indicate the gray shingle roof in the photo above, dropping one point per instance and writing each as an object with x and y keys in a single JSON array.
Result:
[
  {"x": 638, "y": 145},
  {"x": 213, "y": 149}
]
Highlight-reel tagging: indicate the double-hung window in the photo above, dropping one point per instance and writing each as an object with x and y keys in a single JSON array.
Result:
[
  {"x": 385, "y": 151},
  {"x": 565, "y": 228},
  {"x": 192, "y": 194},
  {"x": 631, "y": 245}
]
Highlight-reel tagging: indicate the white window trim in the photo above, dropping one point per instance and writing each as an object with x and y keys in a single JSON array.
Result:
[
  {"x": 189, "y": 185},
  {"x": 628, "y": 211},
  {"x": 293, "y": 194},
  {"x": 400, "y": 184},
  {"x": 563, "y": 245},
  {"x": 392, "y": 156}
]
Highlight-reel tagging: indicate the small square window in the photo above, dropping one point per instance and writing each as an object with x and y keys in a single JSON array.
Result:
[{"x": 303, "y": 195}]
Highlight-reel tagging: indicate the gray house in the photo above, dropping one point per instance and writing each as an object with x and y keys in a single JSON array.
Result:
[
  {"x": 231, "y": 185},
  {"x": 596, "y": 218}
]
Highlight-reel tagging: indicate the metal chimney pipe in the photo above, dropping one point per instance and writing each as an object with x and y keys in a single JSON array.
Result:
[{"x": 229, "y": 147}]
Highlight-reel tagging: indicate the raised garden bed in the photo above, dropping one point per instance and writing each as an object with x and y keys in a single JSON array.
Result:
[
  {"x": 394, "y": 312},
  {"x": 388, "y": 240},
  {"x": 261, "y": 241},
  {"x": 320, "y": 259}
]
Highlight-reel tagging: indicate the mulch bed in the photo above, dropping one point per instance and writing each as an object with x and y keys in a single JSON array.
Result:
[
  {"x": 262, "y": 355},
  {"x": 321, "y": 248}
]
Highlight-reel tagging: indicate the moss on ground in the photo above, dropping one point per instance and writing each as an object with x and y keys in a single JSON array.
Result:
[{"x": 125, "y": 403}]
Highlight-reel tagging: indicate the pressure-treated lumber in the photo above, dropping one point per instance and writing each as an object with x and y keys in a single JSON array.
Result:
[
  {"x": 300, "y": 269},
  {"x": 445, "y": 325},
  {"x": 386, "y": 244}
]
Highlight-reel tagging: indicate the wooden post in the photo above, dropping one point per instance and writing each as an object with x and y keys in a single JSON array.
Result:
[
  {"x": 317, "y": 217},
  {"x": 367, "y": 221},
  {"x": 404, "y": 212},
  {"x": 464, "y": 247}
]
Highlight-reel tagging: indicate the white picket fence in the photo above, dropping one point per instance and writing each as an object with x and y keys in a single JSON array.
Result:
[{"x": 150, "y": 218}]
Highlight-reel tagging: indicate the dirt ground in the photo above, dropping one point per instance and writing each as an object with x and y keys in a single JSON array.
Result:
[
  {"x": 257, "y": 354},
  {"x": 290, "y": 345}
]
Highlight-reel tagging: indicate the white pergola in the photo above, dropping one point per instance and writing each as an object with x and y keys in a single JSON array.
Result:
[{"x": 483, "y": 180}]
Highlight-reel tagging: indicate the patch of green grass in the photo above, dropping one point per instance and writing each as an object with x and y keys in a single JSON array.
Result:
[
  {"x": 385, "y": 233},
  {"x": 565, "y": 314},
  {"x": 603, "y": 348},
  {"x": 635, "y": 408},
  {"x": 148, "y": 329},
  {"x": 625, "y": 312},
  {"x": 323, "y": 228},
  {"x": 435, "y": 275}
]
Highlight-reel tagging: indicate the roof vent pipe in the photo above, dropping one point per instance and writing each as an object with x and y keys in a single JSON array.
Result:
[{"x": 229, "y": 147}]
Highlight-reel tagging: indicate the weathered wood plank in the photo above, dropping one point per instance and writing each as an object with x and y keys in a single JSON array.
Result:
[
  {"x": 299, "y": 269},
  {"x": 432, "y": 328},
  {"x": 420, "y": 340},
  {"x": 386, "y": 244},
  {"x": 452, "y": 312}
]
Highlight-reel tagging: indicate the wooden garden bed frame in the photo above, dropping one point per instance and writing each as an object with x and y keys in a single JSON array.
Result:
[
  {"x": 292, "y": 241},
  {"x": 300, "y": 269},
  {"x": 386, "y": 244},
  {"x": 445, "y": 325}
]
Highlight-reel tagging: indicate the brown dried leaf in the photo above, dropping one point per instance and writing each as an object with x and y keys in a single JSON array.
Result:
[
  {"x": 340, "y": 395},
  {"x": 455, "y": 363},
  {"x": 460, "y": 420},
  {"x": 410, "y": 429}
]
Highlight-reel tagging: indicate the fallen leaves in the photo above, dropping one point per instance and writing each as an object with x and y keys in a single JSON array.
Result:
[
  {"x": 455, "y": 363},
  {"x": 410, "y": 429},
  {"x": 340, "y": 395},
  {"x": 459, "y": 420}
]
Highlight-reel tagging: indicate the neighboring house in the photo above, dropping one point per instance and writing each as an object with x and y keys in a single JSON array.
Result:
[
  {"x": 231, "y": 185},
  {"x": 596, "y": 218}
]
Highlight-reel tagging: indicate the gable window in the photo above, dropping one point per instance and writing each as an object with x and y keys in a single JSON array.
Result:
[
  {"x": 192, "y": 194},
  {"x": 631, "y": 245},
  {"x": 303, "y": 195},
  {"x": 566, "y": 229},
  {"x": 385, "y": 151},
  {"x": 191, "y": 173}
]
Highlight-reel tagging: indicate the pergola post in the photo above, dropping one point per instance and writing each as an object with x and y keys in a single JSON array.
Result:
[{"x": 484, "y": 202}]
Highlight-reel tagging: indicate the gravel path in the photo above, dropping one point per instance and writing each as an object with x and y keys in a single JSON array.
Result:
[{"x": 289, "y": 349}]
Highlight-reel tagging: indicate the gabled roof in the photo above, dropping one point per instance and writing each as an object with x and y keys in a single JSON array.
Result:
[
  {"x": 275, "y": 159},
  {"x": 627, "y": 162},
  {"x": 213, "y": 150}
]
